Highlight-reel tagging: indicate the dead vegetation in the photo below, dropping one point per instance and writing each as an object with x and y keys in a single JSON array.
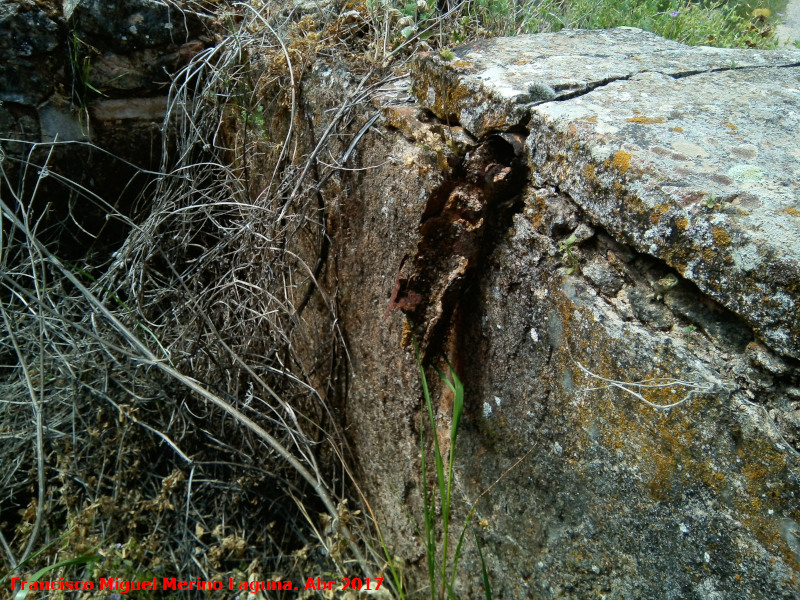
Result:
[{"x": 170, "y": 406}]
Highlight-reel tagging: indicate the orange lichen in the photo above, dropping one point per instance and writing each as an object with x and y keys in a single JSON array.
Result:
[
  {"x": 646, "y": 120},
  {"x": 407, "y": 335},
  {"x": 791, "y": 211},
  {"x": 682, "y": 223},
  {"x": 658, "y": 211},
  {"x": 721, "y": 237},
  {"x": 622, "y": 161},
  {"x": 670, "y": 452},
  {"x": 678, "y": 129}
]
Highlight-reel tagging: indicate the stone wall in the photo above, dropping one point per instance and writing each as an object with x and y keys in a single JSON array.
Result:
[
  {"x": 92, "y": 76},
  {"x": 599, "y": 229},
  {"x": 644, "y": 256}
]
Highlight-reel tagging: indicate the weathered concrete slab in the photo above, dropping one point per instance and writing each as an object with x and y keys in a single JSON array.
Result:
[
  {"x": 706, "y": 180},
  {"x": 688, "y": 154},
  {"x": 492, "y": 84}
]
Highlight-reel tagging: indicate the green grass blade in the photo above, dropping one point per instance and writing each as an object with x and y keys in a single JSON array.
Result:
[
  {"x": 80, "y": 560},
  {"x": 487, "y": 588},
  {"x": 8, "y": 575},
  {"x": 458, "y": 405},
  {"x": 428, "y": 510},
  {"x": 460, "y": 546},
  {"x": 437, "y": 454},
  {"x": 396, "y": 578}
]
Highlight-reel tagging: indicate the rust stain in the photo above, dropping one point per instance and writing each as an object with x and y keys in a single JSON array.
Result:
[{"x": 453, "y": 236}]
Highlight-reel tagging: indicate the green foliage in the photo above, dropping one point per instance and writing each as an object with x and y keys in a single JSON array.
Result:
[
  {"x": 254, "y": 119},
  {"x": 487, "y": 588},
  {"x": 22, "y": 594},
  {"x": 401, "y": 24},
  {"x": 82, "y": 67},
  {"x": 442, "y": 562},
  {"x": 568, "y": 256},
  {"x": 716, "y": 23},
  {"x": 403, "y": 20},
  {"x": 82, "y": 89},
  {"x": 442, "y": 568}
]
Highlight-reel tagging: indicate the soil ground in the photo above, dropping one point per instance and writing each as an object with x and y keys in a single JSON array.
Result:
[{"x": 789, "y": 30}]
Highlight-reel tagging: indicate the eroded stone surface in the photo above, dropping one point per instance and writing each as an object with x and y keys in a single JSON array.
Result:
[
  {"x": 492, "y": 84},
  {"x": 671, "y": 148},
  {"x": 73, "y": 72},
  {"x": 30, "y": 41},
  {"x": 707, "y": 182},
  {"x": 594, "y": 307}
]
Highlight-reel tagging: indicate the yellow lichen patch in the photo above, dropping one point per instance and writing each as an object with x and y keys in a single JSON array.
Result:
[
  {"x": 646, "y": 120},
  {"x": 404, "y": 120},
  {"x": 590, "y": 172},
  {"x": 676, "y": 451},
  {"x": 763, "y": 474},
  {"x": 682, "y": 223},
  {"x": 407, "y": 335},
  {"x": 441, "y": 160},
  {"x": 731, "y": 126},
  {"x": 621, "y": 161},
  {"x": 449, "y": 99},
  {"x": 589, "y": 119},
  {"x": 721, "y": 237},
  {"x": 678, "y": 129},
  {"x": 658, "y": 211},
  {"x": 791, "y": 211}
]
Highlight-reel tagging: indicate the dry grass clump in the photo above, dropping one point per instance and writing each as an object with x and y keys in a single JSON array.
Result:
[{"x": 169, "y": 405}]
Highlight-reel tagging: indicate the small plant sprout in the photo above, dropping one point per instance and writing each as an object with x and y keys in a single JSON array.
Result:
[
  {"x": 446, "y": 54},
  {"x": 568, "y": 256},
  {"x": 539, "y": 91},
  {"x": 711, "y": 202},
  {"x": 437, "y": 501}
]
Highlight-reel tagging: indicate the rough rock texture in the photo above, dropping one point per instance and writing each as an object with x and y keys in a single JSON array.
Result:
[
  {"x": 29, "y": 44},
  {"x": 647, "y": 258},
  {"x": 708, "y": 167},
  {"x": 492, "y": 84}
]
